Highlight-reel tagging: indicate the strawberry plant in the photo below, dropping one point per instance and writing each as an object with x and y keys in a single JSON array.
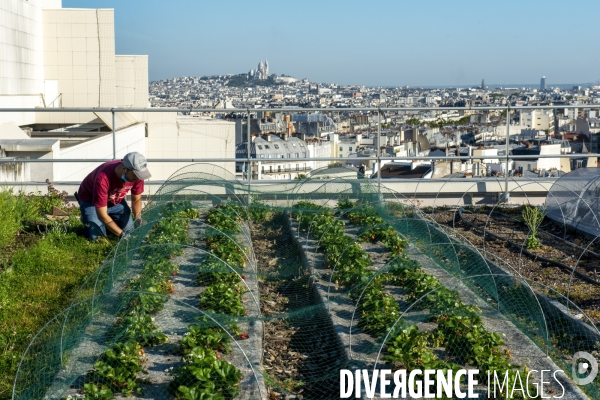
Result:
[
  {"x": 190, "y": 213},
  {"x": 466, "y": 338},
  {"x": 308, "y": 206},
  {"x": 97, "y": 391},
  {"x": 227, "y": 250},
  {"x": 334, "y": 243},
  {"x": 223, "y": 222},
  {"x": 116, "y": 371},
  {"x": 386, "y": 235},
  {"x": 213, "y": 271},
  {"x": 175, "y": 207},
  {"x": 378, "y": 309},
  {"x": 351, "y": 266},
  {"x": 206, "y": 337},
  {"x": 364, "y": 219},
  {"x": 345, "y": 204},
  {"x": 222, "y": 298},
  {"x": 257, "y": 211},
  {"x": 233, "y": 210},
  {"x": 326, "y": 224},
  {"x": 399, "y": 269},
  {"x": 159, "y": 267},
  {"x": 148, "y": 303},
  {"x": 140, "y": 328},
  {"x": 305, "y": 211},
  {"x": 410, "y": 349},
  {"x": 171, "y": 230},
  {"x": 366, "y": 214},
  {"x": 206, "y": 377}
]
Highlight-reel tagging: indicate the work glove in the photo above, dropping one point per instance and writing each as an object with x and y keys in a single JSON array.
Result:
[{"x": 139, "y": 221}]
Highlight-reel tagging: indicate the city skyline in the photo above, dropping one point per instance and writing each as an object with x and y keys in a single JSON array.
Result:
[{"x": 382, "y": 44}]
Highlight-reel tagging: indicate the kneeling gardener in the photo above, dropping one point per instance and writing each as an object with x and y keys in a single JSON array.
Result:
[{"x": 102, "y": 194}]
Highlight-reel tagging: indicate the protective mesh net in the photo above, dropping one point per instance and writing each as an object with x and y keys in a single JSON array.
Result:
[
  {"x": 574, "y": 200},
  {"x": 231, "y": 293}
]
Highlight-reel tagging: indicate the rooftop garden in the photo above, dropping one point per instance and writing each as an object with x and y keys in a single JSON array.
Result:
[{"x": 228, "y": 294}]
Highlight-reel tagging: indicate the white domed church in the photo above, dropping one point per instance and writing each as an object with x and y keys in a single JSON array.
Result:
[{"x": 261, "y": 73}]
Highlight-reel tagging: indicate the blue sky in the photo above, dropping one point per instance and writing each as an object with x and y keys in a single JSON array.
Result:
[{"x": 374, "y": 43}]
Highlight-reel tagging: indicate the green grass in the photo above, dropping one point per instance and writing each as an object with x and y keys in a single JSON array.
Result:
[
  {"x": 15, "y": 211},
  {"x": 40, "y": 275}
]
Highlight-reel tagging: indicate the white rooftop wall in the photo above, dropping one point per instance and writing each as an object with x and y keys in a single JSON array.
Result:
[
  {"x": 79, "y": 54},
  {"x": 132, "y": 81},
  {"x": 127, "y": 140},
  {"x": 172, "y": 136},
  {"x": 21, "y": 58}
]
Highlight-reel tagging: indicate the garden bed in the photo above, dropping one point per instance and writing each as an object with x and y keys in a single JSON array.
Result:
[
  {"x": 302, "y": 355},
  {"x": 584, "y": 294},
  {"x": 151, "y": 317},
  {"x": 367, "y": 349}
]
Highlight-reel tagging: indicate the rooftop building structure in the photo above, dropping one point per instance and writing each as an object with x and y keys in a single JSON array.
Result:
[{"x": 66, "y": 58}]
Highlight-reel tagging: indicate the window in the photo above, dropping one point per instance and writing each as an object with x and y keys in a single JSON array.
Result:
[
  {"x": 263, "y": 169},
  {"x": 297, "y": 155},
  {"x": 279, "y": 168},
  {"x": 283, "y": 156},
  {"x": 269, "y": 156},
  {"x": 350, "y": 149},
  {"x": 301, "y": 144},
  {"x": 276, "y": 146},
  {"x": 259, "y": 147},
  {"x": 270, "y": 168},
  {"x": 262, "y": 156},
  {"x": 297, "y": 167},
  {"x": 267, "y": 146},
  {"x": 341, "y": 148},
  {"x": 294, "y": 144}
]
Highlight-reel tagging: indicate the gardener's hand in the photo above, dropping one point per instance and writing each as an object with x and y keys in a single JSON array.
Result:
[
  {"x": 124, "y": 235},
  {"x": 139, "y": 221}
]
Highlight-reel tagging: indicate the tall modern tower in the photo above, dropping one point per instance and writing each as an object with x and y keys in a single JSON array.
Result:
[
  {"x": 543, "y": 83},
  {"x": 483, "y": 83}
]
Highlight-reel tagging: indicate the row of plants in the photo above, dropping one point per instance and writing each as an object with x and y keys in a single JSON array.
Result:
[
  {"x": 460, "y": 330},
  {"x": 118, "y": 370},
  {"x": 350, "y": 263},
  {"x": 224, "y": 292},
  {"x": 205, "y": 375}
]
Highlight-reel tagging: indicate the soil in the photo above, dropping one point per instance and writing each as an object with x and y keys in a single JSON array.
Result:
[
  {"x": 585, "y": 295},
  {"x": 300, "y": 349}
]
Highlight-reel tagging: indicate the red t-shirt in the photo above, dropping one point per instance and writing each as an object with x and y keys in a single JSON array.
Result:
[{"x": 103, "y": 188}]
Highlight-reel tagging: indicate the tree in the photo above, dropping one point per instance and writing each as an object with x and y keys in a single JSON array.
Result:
[{"x": 413, "y": 121}]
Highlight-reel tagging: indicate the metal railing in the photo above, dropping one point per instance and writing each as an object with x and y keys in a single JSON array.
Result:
[{"x": 378, "y": 157}]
